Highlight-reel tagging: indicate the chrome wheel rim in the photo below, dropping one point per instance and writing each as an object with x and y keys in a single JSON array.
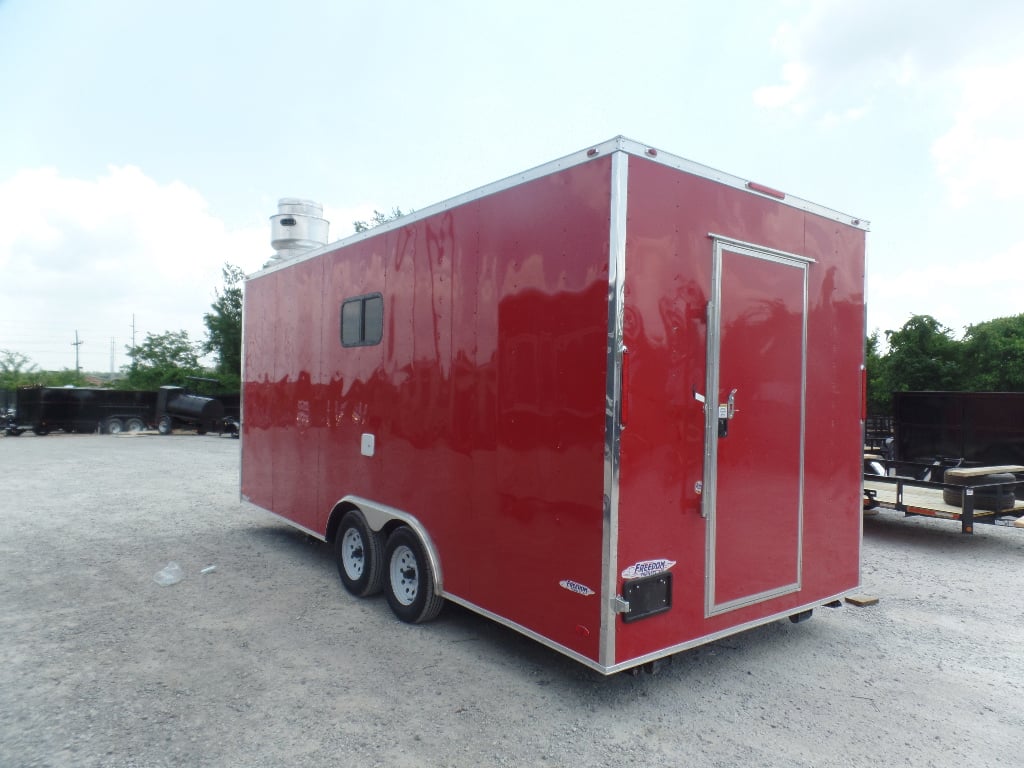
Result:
[
  {"x": 353, "y": 555},
  {"x": 404, "y": 575}
]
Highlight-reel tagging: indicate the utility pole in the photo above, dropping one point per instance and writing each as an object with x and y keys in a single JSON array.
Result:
[
  {"x": 131, "y": 367},
  {"x": 76, "y": 344}
]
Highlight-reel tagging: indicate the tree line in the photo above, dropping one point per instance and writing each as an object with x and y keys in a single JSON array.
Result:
[
  {"x": 162, "y": 358},
  {"x": 925, "y": 355}
]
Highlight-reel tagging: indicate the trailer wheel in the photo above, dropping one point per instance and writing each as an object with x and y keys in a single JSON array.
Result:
[
  {"x": 360, "y": 555},
  {"x": 40, "y": 431},
  {"x": 411, "y": 591},
  {"x": 135, "y": 425},
  {"x": 164, "y": 426},
  {"x": 113, "y": 426}
]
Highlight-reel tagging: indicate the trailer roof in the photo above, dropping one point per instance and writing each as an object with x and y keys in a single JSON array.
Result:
[{"x": 591, "y": 153}]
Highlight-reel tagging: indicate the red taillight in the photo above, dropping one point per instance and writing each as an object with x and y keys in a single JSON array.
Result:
[
  {"x": 863, "y": 393},
  {"x": 753, "y": 186}
]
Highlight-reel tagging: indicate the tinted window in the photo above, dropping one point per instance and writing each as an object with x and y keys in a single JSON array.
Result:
[
  {"x": 373, "y": 319},
  {"x": 351, "y": 323},
  {"x": 362, "y": 320}
]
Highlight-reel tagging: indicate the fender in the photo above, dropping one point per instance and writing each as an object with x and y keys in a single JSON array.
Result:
[{"x": 379, "y": 515}]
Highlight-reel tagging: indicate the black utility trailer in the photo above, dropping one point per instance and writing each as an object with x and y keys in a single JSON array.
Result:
[
  {"x": 112, "y": 411},
  {"x": 81, "y": 409},
  {"x": 952, "y": 455},
  {"x": 977, "y": 427}
]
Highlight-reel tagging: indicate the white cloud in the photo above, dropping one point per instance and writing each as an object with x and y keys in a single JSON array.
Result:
[
  {"x": 957, "y": 295},
  {"x": 836, "y": 55},
  {"x": 795, "y": 77},
  {"x": 851, "y": 115},
  {"x": 958, "y": 71},
  {"x": 91, "y": 254},
  {"x": 983, "y": 151},
  {"x": 342, "y": 219}
]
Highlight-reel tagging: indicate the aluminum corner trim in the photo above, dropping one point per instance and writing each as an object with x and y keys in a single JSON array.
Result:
[{"x": 613, "y": 402}]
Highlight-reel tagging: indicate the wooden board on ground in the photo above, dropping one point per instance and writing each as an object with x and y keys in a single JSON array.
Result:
[{"x": 862, "y": 601}]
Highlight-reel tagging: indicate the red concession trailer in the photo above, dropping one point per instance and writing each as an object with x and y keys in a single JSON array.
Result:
[{"x": 613, "y": 402}]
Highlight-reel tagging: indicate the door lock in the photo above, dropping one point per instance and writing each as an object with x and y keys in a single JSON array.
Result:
[{"x": 726, "y": 412}]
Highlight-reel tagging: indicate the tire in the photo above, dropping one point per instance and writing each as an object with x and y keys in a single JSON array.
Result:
[
  {"x": 359, "y": 552},
  {"x": 113, "y": 427},
  {"x": 165, "y": 425},
  {"x": 135, "y": 425},
  {"x": 40, "y": 431},
  {"x": 995, "y": 499},
  {"x": 411, "y": 592}
]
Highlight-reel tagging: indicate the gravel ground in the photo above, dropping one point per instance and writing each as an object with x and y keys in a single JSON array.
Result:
[{"x": 266, "y": 661}]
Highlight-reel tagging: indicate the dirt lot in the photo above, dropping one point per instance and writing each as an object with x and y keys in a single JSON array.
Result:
[{"x": 266, "y": 661}]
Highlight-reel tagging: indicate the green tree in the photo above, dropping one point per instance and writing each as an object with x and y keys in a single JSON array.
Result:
[
  {"x": 164, "y": 358},
  {"x": 16, "y": 370},
  {"x": 923, "y": 355},
  {"x": 224, "y": 328},
  {"x": 877, "y": 365},
  {"x": 378, "y": 219},
  {"x": 993, "y": 355}
]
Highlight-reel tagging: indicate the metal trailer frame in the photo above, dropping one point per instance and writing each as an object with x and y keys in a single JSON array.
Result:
[
  {"x": 644, "y": 588},
  {"x": 925, "y": 498}
]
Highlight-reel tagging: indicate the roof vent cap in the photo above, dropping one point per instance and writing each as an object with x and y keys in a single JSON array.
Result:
[{"x": 297, "y": 226}]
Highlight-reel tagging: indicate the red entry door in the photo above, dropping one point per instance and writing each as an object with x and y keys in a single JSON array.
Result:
[{"x": 754, "y": 426}]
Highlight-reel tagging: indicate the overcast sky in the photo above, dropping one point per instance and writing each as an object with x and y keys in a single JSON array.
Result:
[{"x": 144, "y": 144}]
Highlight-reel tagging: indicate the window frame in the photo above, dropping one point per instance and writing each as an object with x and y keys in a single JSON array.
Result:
[{"x": 365, "y": 339}]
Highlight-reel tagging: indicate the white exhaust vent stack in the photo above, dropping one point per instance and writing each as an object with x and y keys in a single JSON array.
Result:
[{"x": 297, "y": 227}]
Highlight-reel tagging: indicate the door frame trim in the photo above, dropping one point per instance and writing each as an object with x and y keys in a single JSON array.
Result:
[{"x": 709, "y": 496}]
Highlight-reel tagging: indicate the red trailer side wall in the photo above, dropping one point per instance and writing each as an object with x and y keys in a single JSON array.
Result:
[
  {"x": 667, "y": 290},
  {"x": 486, "y": 396},
  {"x": 283, "y": 396}
]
